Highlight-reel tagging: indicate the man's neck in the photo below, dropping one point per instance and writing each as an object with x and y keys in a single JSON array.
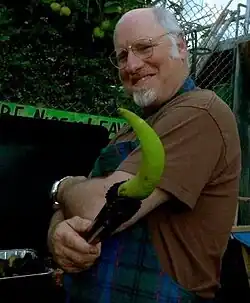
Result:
[{"x": 186, "y": 86}]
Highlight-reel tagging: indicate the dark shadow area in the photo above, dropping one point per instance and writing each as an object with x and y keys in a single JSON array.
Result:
[
  {"x": 33, "y": 154},
  {"x": 234, "y": 279}
]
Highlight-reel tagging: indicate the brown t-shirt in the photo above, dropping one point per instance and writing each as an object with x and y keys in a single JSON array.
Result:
[{"x": 203, "y": 162}]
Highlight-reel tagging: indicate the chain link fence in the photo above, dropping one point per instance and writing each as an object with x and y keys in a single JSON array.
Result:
[{"x": 211, "y": 35}]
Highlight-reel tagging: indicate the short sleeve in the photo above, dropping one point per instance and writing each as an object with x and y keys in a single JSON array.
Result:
[{"x": 193, "y": 144}]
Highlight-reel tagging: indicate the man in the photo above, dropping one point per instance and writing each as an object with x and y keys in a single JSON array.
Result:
[{"x": 171, "y": 250}]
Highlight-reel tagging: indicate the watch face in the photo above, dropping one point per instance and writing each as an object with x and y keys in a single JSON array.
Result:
[
  {"x": 54, "y": 189},
  {"x": 55, "y": 186}
]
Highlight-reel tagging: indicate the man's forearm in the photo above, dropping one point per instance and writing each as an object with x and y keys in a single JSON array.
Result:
[
  {"x": 83, "y": 199},
  {"x": 86, "y": 199}
]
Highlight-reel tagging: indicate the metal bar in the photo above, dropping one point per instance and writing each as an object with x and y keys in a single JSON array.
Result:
[
  {"x": 244, "y": 199},
  {"x": 231, "y": 43},
  {"x": 201, "y": 28},
  {"x": 247, "y": 17},
  {"x": 236, "y": 76},
  {"x": 241, "y": 228}
]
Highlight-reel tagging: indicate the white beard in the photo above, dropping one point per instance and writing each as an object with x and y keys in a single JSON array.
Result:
[{"x": 144, "y": 98}]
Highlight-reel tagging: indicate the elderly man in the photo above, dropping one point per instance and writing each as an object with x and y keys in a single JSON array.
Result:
[{"x": 171, "y": 250}]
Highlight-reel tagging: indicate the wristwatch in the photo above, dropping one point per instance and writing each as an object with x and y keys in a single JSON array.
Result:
[{"x": 54, "y": 192}]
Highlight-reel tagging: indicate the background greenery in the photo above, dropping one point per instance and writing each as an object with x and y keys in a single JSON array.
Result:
[{"x": 61, "y": 61}]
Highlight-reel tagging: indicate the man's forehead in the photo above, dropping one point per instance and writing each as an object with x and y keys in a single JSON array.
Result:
[{"x": 135, "y": 25}]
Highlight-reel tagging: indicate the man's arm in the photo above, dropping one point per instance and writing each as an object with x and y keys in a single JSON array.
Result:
[{"x": 86, "y": 199}]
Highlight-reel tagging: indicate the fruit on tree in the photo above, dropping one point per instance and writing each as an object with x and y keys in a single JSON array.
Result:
[
  {"x": 105, "y": 25},
  {"x": 56, "y": 7},
  {"x": 65, "y": 11},
  {"x": 98, "y": 32}
]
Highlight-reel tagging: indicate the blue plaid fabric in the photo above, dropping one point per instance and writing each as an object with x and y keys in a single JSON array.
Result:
[{"x": 128, "y": 270}]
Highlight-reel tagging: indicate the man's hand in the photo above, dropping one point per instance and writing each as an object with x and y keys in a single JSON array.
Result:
[{"x": 69, "y": 249}]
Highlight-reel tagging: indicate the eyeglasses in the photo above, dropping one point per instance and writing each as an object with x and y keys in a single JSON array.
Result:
[{"x": 141, "y": 48}]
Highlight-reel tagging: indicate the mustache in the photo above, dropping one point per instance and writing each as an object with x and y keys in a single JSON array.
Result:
[{"x": 135, "y": 78}]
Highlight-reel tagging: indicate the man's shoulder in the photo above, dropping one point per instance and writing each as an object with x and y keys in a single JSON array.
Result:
[
  {"x": 197, "y": 102},
  {"x": 202, "y": 99},
  {"x": 193, "y": 105}
]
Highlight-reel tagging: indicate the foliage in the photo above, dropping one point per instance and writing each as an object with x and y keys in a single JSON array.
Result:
[{"x": 61, "y": 60}]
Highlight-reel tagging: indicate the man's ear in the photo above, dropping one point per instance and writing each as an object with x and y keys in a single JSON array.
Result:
[{"x": 182, "y": 47}]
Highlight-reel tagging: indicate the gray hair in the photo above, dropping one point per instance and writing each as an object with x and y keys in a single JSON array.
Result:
[{"x": 167, "y": 20}]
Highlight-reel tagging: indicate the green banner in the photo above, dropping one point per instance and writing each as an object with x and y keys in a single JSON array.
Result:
[{"x": 112, "y": 124}]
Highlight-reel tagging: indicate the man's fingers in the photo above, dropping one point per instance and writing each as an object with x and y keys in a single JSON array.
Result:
[
  {"x": 70, "y": 250},
  {"x": 75, "y": 242},
  {"x": 78, "y": 259},
  {"x": 79, "y": 224},
  {"x": 74, "y": 259}
]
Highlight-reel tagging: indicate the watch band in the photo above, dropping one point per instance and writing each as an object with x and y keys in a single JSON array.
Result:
[{"x": 54, "y": 192}]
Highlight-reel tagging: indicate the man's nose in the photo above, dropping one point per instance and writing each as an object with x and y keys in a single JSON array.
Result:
[{"x": 134, "y": 63}]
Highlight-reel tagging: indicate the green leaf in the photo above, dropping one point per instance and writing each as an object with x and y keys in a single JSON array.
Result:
[
  {"x": 4, "y": 38},
  {"x": 111, "y": 3},
  {"x": 47, "y": 1},
  {"x": 112, "y": 9}
]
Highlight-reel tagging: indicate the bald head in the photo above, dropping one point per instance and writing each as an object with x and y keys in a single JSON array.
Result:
[
  {"x": 135, "y": 13},
  {"x": 133, "y": 17},
  {"x": 156, "y": 16}
]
